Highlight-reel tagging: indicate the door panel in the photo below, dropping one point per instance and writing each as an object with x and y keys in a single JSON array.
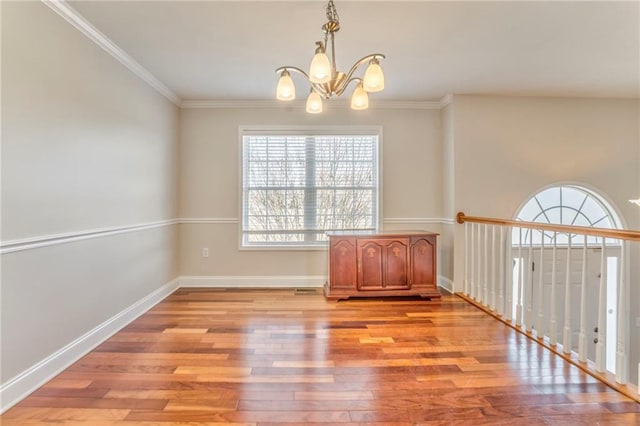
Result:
[
  {"x": 592, "y": 291},
  {"x": 395, "y": 264},
  {"x": 370, "y": 264},
  {"x": 422, "y": 262},
  {"x": 343, "y": 261}
]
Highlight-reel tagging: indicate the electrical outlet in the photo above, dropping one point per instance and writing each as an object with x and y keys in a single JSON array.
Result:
[{"x": 205, "y": 252}]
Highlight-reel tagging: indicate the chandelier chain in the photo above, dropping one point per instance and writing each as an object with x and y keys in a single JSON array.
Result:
[{"x": 332, "y": 13}]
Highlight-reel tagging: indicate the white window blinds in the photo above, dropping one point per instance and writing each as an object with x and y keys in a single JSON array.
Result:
[{"x": 297, "y": 187}]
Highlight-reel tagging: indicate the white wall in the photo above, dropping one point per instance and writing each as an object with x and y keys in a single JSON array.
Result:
[
  {"x": 86, "y": 145},
  {"x": 508, "y": 148},
  {"x": 209, "y": 182}
]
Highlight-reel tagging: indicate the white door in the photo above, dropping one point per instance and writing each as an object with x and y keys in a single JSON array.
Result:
[{"x": 530, "y": 288}]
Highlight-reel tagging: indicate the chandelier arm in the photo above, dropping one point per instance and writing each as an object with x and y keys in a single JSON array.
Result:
[
  {"x": 340, "y": 91},
  {"x": 362, "y": 61},
  {"x": 319, "y": 88},
  {"x": 296, "y": 69}
]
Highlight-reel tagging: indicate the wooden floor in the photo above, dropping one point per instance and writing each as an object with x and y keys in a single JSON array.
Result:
[{"x": 261, "y": 357}]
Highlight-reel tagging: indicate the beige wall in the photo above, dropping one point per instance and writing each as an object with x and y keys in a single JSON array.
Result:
[
  {"x": 86, "y": 145},
  {"x": 209, "y": 182},
  {"x": 448, "y": 193},
  {"x": 511, "y": 147},
  {"x": 507, "y": 149}
]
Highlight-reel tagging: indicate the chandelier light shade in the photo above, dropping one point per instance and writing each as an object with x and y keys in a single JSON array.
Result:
[
  {"x": 285, "y": 91},
  {"x": 320, "y": 68},
  {"x": 373, "y": 77},
  {"x": 314, "y": 103},
  {"x": 325, "y": 80},
  {"x": 359, "y": 99}
]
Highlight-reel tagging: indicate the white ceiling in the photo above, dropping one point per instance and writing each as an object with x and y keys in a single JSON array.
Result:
[{"x": 229, "y": 50}]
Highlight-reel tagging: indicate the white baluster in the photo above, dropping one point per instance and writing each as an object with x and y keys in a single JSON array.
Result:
[
  {"x": 492, "y": 299},
  {"x": 622, "y": 372},
  {"x": 472, "y": 236},
  {"x": 466, "y": 258},
  {"x": 566, "y": 332},
  {"x": 519, "y": 292},
  {"x": 508, "y": 308},
  {"x": 485, "y": 294},
  {"x": 529, "y": 286},
  {"x": 479, "y": 265},
  {"x": 601, "y": 347},
  {"x": 582, "y": 340},
  {"x": 501, "y": 274},
  {"x": 553, "y": 331},
  {"x": 540, "y": 323}
]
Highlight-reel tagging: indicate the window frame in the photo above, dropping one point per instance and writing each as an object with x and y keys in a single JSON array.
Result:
[
  {"x": 606, "y": 206},
  {"x": 289, "y": 130}
]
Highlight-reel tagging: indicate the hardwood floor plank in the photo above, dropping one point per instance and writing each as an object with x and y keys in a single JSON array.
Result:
[
  {"x": 165, "y": 394},
  {"x": 57, "y": 402},
  {"x": 267, "y": 357},
  {"x": 203, "y": 404},
  {"x": 217, "y": 370},
  {"x": 299, "y": 417},
  {"x": 324, "y": 396},
  {"x": 16, "y": 415}
]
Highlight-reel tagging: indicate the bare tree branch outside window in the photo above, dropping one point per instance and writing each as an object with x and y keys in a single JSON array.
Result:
[{"x": 295, "y": 188}]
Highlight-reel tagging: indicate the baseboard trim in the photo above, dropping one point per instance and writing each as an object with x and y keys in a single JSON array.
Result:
[
  {"x": 20, "y": 386},
  {"x": 270, "y": 281},
  {"x": 445, "y": 283}
]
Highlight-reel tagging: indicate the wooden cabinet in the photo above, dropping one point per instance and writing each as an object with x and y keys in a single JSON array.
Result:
[{"x": 368, "y": 265}]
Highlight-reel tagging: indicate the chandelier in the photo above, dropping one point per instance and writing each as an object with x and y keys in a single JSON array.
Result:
[{"x": 325, "y": 80}]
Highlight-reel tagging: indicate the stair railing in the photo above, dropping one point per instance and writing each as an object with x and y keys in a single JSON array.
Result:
[{"x": 500, "y": 276}]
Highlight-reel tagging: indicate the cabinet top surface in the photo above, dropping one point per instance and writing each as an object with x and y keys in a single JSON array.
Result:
[{"x": 383, "y": 234}]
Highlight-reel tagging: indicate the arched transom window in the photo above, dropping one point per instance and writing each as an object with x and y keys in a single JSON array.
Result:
[{"x": 566, "y": 205}]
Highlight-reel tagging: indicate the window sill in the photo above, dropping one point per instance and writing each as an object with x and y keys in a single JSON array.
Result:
[{"x": 323, "y": 247}]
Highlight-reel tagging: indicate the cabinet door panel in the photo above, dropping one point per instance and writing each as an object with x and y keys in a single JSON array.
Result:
[
  {"x": 423, "y": 261},
  {"x": 370, "y": 264},
  {"x": 343, "y": 263},
  {"x": 395, "y": 264}
]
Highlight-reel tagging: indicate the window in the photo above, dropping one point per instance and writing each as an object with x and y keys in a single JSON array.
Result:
[
  {"x": 566, "y": 205},
  {"x": 298, "y": 185}
]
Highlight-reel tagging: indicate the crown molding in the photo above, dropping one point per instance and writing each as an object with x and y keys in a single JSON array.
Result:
[
  {"x": 63, "y": 9},
  {"x": 210, "y": 103},
  {"x": 300, "y": 104},
  {"x": 446, "y": 100}
]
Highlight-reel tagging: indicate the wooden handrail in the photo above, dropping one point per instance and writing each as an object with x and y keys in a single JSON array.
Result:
[{"x": 620, "y": 234}]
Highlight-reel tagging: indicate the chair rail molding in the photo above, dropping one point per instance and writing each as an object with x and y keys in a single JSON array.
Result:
[{"x": 12, "y": 246}]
